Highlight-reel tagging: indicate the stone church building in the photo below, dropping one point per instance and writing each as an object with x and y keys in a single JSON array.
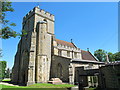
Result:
[{"x": 40, "y": 56}]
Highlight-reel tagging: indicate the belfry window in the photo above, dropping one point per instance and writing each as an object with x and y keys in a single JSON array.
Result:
[{"x": 46, "y": 25}]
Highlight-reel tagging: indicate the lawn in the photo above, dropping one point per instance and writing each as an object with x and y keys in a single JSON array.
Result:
[
  {"x": 37, "y": 86},
  {"x": 40, "y": 86},
  {"x": 6, "y": 80},
  {"x": 46, "y": 85}
]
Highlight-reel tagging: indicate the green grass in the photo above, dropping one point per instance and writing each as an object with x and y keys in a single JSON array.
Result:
[
  {"x": 43, "y": 86},
  {"x": 40, "y": 85},
  {"x": 46, "y": 85},
  {"x": 6, "y": 80}
]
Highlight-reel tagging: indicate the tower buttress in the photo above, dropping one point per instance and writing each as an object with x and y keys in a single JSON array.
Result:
[{"x": 44, "y": 23}]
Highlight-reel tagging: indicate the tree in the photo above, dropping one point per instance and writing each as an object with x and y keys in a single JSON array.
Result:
[
  {"x": 6, "y": 30},
  {"x": 7, "y": 73},
  {"x": 111, "y": 57},
  {"x": 101, "y": 55},
  {"x": 2, "y": 69},
  {"x": 117, "y": 56}
]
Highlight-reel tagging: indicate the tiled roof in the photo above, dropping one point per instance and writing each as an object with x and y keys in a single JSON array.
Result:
[
  {"x": 65, "y": 43},
  {"x": 86, "y": 55}
]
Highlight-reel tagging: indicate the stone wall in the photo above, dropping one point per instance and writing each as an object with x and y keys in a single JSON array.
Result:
[
  {"x": 110, "y": 77},
  {"x": 67, "y": 74},
  {"x": 15, "y": 69},
  {"x": 56, "y": 60},
  {"x": 84, "y": 65}
]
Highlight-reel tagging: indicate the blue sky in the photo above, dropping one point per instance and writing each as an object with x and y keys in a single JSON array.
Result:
[{"x": 90, "y": 25}]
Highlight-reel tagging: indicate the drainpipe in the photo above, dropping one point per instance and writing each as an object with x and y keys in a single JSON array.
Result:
[{"x": 72, "y": 54}]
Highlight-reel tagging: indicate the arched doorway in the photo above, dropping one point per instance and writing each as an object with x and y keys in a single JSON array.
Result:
[{"x": 59, "y": 71}]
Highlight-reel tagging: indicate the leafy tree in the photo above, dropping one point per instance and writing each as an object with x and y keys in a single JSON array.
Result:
[
  {"x": 7, "y": 73},
  {"x": 2, "y": 69},
  {"x": 6, "y": 30},
  {"x": 101, "y": 55},
  {"x": 111, "y": 57},
  {"x": 117, "y": 56}
]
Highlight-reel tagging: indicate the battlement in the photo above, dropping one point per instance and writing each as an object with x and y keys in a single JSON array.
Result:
[{"x": 38, "y": 11}]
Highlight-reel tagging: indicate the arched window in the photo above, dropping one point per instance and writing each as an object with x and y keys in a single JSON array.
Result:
[
  {"x": 45, "y": 20},
  {"x": 46, "y": 25},
  {"x": 59, "y": 71}
]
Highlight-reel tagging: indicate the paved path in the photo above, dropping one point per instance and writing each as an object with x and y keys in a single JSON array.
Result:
[
  {"x": 74, "y": 88},
  {"x": 5, "y": 83}
]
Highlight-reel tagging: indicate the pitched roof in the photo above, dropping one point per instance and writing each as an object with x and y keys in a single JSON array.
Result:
[
  {"x": 86, "y": 55},
  {"x": 65, "y": 43}
]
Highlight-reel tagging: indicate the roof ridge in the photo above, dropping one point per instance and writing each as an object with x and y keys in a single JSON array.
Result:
[
  {"x": 93, "y": 56},
  {"x": 84, "y": 50},
  {"x": 88, "y": 55},
  {"x": 65, "y": 43},
  {"x": 63, "y": 40},
  {"x": 74, "y": 44}
]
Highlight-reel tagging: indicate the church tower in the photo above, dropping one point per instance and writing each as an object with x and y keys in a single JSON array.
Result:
[{"x": 33, "y": 57}]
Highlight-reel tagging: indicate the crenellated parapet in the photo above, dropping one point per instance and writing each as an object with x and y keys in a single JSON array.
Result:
[
  {"x": 28, "y": 15},
  {"x": 40, "y": 12}
]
